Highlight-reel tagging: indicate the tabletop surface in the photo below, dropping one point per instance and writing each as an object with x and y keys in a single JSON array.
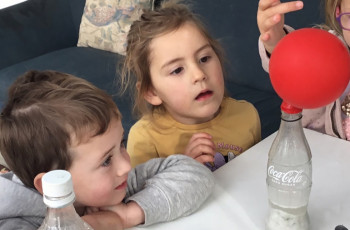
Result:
[{"x": 239, "y": 200}]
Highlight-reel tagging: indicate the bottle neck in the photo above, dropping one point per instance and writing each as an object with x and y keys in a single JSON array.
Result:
[
  {"x": 291, "y": 127},
  {"x": 290, "y": 146},
  {"x": 291, "y": 117},
  {"x": 68, "y": 209}
]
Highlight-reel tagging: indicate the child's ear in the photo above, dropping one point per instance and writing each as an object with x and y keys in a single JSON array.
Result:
[
  {"x": 152, "y": 97},
  {"x": 37, "y": 182},
  {"x": 337, "y": 11}
]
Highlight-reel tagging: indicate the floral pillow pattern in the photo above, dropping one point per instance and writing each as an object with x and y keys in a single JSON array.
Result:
[{"x": 106, "y": 23}]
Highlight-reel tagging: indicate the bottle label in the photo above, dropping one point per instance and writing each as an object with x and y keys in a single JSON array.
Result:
[{"x": 290, "y": 178}]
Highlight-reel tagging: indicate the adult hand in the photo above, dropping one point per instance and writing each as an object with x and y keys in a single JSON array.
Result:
[
  {"x": 270, "y": 18},
  {"x": 201, "y": 148}
]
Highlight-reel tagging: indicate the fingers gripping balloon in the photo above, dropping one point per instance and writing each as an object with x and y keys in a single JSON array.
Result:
[{"x": 309, "y": 68}]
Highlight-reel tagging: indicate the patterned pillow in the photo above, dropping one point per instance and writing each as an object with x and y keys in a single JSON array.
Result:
[{"x": 106, "y": 23}]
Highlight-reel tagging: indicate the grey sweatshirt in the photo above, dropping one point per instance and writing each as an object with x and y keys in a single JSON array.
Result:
[{"x": 165, "y": 188}]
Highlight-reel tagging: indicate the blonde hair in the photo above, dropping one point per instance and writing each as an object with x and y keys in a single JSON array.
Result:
[
  {"x": 330, "y": 7},
  {"x": 170, "y": 16}
]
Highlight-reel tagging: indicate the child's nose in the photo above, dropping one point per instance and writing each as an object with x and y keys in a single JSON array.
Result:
[
  {"x": 123, "y": 164},
  {"x": 198, "y": 74}
]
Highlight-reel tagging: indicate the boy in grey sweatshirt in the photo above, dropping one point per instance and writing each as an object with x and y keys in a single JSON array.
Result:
[{"x": 57, "y": 121}]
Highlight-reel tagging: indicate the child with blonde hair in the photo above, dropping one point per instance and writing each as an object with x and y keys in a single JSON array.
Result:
[
  {"x": 332, "y": 119},
  {"x": 177, "y": 68}
]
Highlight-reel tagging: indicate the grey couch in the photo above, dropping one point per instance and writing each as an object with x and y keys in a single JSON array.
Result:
[{"x": 42, "y": 34}]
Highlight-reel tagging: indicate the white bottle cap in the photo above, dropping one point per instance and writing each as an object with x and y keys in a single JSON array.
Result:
[{"x": 58, "y": 188}]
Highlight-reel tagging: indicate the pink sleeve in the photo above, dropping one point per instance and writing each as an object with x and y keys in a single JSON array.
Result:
[
  {"x": 265, "y": 59},
  {"x": 325, "y": 119}
]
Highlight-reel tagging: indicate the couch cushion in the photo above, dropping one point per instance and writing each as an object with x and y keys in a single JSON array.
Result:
[
  {"x": 27, "y": 30},
  {"x": 77, "y": 9},
  {"x": 97, "y": 66}
]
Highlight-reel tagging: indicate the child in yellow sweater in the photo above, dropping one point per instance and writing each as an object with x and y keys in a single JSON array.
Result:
[{"x": 177, "y": 69}]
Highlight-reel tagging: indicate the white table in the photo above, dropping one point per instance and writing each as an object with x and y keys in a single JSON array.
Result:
[{"x": 240, "y": 202}]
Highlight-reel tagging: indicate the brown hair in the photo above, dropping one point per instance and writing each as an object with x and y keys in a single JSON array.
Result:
[
  {"x": 170, "y": 16},
  {"x": 45, "y": 110}
]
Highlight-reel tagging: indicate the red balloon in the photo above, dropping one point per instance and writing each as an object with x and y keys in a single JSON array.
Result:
[{"x": 310, "y": 68}]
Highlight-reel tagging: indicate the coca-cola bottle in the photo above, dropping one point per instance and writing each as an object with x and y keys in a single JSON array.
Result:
[{"x": 289, "y": 174}]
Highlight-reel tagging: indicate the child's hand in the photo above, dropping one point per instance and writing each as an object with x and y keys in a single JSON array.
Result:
[
  {"x": 270, "y": 19},
  {"x": 201, "y": 148},
  {"x": 103, "y": 220},
  {"x": 130, "y": 214}
]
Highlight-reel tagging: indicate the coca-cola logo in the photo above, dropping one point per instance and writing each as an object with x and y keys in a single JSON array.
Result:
[{"x": 291, "y": 177}]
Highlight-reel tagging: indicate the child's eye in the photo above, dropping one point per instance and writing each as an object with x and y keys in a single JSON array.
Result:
[
  {"x": 204, "y": 59},
  {"x": 107, "y": 162},
  {"x": 177, "y": 71}
]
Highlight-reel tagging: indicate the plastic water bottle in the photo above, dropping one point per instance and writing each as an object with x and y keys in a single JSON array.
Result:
[
  {"x": 59, "y": 197},
  {"x": 289, "y": 174}
]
